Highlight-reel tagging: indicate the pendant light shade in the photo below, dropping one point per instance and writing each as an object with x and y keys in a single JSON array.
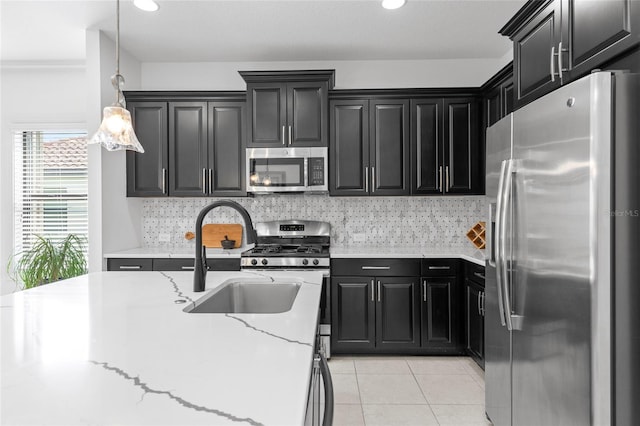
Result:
[{"x": 116, "y": 130}]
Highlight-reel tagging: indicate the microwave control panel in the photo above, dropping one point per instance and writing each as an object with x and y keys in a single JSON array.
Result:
[{"x": 316, "y": 171}]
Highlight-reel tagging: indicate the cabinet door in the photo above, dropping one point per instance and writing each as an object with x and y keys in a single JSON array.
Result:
[
  {"x": 532, "y": 54},
  {"x": 463, "y": 154},
  {"x": 389, "y": 154},
  {"x": 188, "y": 166},
  {"x": 349, "y": 147},
  {"x": 352, "y": 314},
  {"x": 426, "y": 146},
  {"x": 267, "y": 103},
  {"x": 493, "y": 106},
  {"x": 439, "y": 313},
  {"x": 397, "y": 313},
  {"x": 475, "y": 321},
  {"x": 599, "y": 31},
  {"x": 146, "y": 173},
  {"x": 507, "y": 97},
  {"x": 307, "y": 113},
  {"x": 226, "y": 148}
]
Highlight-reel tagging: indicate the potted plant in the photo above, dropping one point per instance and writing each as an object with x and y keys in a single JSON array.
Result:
[{"x": 48, "y": 261}]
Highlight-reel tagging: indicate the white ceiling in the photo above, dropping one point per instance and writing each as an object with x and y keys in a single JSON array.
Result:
[{"x": 265, "y": 30}]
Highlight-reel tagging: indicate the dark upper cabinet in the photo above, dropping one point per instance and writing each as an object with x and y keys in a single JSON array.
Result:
[
  {"x": 146, "y": 172},
  {"x": 349, "y": 147},
  {"x": 447, "y": 150},
  {"x": 389, "y": 147},
  {"x": 287, "y": 108},
  {"x": 369, "y": 147},
  {"x": 188, "y": 168},
  {"x": 558, "y": 41},
  {"x": 226, "y": 148},
  {"x": 193, "y": 148},
  {"x": 497, "y": 97}
]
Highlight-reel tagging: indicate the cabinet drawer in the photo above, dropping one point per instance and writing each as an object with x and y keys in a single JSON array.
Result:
[
  {"x": 129, "y": 264},
  {"x": 474, "y": 273},
  {"x": 186, "y": 264},
  {"x": 440, "y": 267},
  {"x": 375, "y": 267}
]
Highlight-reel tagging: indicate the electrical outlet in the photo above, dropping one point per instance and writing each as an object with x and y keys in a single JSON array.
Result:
[
  {"x": 358, "y": 238},
  {"x": 164, "y": 238}
]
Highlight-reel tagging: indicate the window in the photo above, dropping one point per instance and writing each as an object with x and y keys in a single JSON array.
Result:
[{"x": 50, "y": 180}]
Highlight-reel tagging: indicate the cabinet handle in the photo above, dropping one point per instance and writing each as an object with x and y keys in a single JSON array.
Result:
[
  {"x": 130, "y": 267},
  {"x": 379, "y": 292},
  {"x": 382, "y": 268},
  {"x": 373, "y": 179},
  {"x": 432, "y": 268},
  {"x": 424, "y": 291},
  {"x": 290, "y": 136},
  {"x": 187, "y": 268},
  {"x": 446, "y": 175},
  {"x": 479, "y": 275},
  {"x": 440, "y": 179},
  {"x": 373, "y": 298},
  {"x": 210, "y": 180},
  {"x": 164, "y": 180},
  {"x": 560, "y": 68},
  {"x": 366, "y": 179},
  {"x": 283, "y": 142},
  {"x": 204, "y": 181},
  {"x": 552, "y": 70},
  {"x": 479, "y": 303}
]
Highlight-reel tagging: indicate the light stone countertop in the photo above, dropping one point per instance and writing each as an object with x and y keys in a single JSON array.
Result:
[
  {"x": 116, "y": 348},
  {"x": 353, "y": 251}
]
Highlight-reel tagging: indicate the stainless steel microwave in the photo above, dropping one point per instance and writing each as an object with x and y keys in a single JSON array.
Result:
[{"x": 287, "y": 170}]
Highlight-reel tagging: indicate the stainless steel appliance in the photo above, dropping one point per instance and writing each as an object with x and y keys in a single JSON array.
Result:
[
  {"x": 562, "y": 341},
  {"x": 296, "y": 245},
  {"x": 287, "y": 170}
]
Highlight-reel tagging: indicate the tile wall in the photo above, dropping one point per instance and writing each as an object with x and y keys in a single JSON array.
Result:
[{"x": 380, "y": 221}]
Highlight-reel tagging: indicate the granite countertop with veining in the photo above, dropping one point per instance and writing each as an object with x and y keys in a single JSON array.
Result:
[{"x": 116, "y": 348}]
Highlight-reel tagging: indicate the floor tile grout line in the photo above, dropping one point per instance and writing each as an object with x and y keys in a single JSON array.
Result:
[{"x": 415, "y": 379}]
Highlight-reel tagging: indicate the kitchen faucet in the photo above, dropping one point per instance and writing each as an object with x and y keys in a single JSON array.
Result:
[{"x": 200, "y": 267}]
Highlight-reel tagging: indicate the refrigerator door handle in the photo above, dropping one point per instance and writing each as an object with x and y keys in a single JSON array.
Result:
[
  {"x": 491, "y": 241},
  {"x": 499, "y": 242}
]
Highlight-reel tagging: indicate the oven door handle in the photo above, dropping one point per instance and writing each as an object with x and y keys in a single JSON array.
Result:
[{"x": 327, "y": 419}]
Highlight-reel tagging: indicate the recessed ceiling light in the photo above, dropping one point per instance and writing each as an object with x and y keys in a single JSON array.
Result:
[
  {"x": 146, "y": 5},
  {"x": 393, "y": 4}
]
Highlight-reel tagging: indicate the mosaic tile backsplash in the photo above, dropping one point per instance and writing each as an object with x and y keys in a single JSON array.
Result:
[{"x": 372, "y": 221}]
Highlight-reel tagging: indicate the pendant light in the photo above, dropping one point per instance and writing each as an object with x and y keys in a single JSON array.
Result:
[{"x": 116, "y": 130}]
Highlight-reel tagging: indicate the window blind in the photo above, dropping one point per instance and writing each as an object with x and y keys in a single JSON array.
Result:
[{"x": 51, "y": 183}]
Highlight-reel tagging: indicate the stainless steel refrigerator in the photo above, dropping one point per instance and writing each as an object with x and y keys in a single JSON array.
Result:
[{"x": 562, "y": 324}]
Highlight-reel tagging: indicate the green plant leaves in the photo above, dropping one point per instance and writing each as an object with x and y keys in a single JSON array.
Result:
[{"x": 48, "y": 261}]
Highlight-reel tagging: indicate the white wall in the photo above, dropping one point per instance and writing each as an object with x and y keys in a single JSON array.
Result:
[
  {"x": 115, "y": 220},
  {"x": 33, "y": 97},
  {"x": 349, "y": 74}
]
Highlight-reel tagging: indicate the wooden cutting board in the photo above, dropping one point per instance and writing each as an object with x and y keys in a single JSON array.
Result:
[{"x": 213, "y": 233}]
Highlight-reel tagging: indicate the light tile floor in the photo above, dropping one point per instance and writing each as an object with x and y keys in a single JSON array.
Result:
[{"x": 392, "y": 391}]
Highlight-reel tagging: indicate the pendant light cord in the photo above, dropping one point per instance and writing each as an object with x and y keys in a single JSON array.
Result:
[{"x": 117, "y": 80}]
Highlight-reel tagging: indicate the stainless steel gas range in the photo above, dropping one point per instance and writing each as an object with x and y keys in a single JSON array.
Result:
[{"x": 299, "y": 245}]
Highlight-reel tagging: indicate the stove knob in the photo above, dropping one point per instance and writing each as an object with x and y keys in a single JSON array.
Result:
[
  {"x": 305, "y": 262},
  {"x": 265, "y": 261},
  {"x": 254, "y": 261},
  {"x": 316, "y": 262}
]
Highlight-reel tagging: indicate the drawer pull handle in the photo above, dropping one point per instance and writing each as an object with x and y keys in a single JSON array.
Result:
[
  {"x": 479, "y": 275},
  {"x": 187, "y": 268},
  {"x": 376, "y": 268},
  {"x": 130, "y": 267},
  {"x": 431, "y": 268}
]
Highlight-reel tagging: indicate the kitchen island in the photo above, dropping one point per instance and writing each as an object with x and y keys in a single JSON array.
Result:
[{"x": 117, "y": 348}]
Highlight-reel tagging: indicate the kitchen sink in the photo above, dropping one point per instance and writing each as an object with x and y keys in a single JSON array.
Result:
[{"x": 248, "y": 298}]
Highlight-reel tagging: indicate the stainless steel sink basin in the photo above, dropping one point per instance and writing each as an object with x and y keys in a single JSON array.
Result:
[{"x": 248, "y": 298}]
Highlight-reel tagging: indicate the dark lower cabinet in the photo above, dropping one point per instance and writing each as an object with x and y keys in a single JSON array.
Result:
[
  {"x": 474, "y": 312},
  {"x": 440, "y": 314},
  {"x": 375, "y": 314}
]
